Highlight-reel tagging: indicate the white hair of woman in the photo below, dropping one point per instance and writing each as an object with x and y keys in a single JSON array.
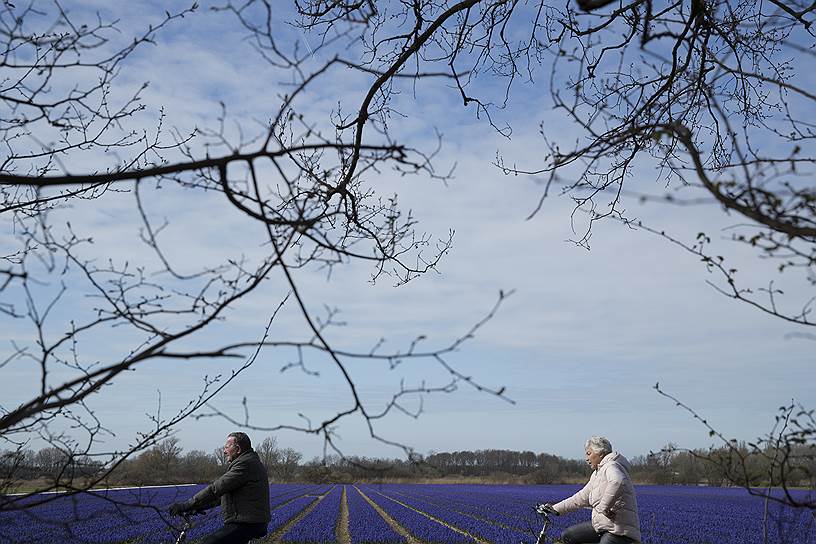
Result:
[{"x": 599, "y": 445}]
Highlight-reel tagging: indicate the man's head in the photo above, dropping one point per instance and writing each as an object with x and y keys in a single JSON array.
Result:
[{"x": 236, "y": 444}]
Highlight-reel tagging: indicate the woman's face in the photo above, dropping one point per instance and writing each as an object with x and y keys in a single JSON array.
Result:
[{"x": 593, "y": 459}]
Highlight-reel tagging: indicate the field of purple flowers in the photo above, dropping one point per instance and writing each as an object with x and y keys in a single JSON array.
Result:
[{"x": 386, "y": 514}]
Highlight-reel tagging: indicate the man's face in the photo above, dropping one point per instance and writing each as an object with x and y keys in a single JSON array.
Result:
[{"x": 231, "y": 449}]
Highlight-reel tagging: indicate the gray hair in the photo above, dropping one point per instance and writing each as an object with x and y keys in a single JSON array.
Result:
[
  {"x": 598, "y": 444},
  {"x": 242, "y": 440}
]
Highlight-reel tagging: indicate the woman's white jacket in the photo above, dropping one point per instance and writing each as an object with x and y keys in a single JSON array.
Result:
[{"x": 609, "y": 489}]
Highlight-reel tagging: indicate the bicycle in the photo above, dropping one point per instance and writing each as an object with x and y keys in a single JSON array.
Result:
[{"x": 545, "y": 511}]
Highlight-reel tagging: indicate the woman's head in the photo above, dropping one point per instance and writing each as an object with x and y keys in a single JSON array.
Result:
[{"x": 596, "y": 448}]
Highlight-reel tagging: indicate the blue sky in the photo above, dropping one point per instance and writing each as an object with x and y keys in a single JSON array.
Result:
[{"x": 578, "y": 345}]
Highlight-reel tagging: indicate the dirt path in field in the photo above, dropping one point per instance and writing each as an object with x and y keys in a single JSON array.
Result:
[
  {"x": 342, "y": 532},
  {"x": 411, "y": 539}
]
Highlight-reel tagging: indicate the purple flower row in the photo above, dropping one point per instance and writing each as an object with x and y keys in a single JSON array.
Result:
[
  {"x": 366, "y": 525},
  {"x": 282, "y": 514},
  {"x": 418, "y": 524},
  {"x": 320, "y": 525}
]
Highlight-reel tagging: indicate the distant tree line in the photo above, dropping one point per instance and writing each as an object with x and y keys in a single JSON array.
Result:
[
  {"x": 166, "y": 463},
  {"x": 737, "y": 464},
  {"x": 50, "y": 463}
]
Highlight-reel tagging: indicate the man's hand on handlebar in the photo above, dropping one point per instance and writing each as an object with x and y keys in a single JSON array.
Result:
[
  {"x": 180, "y": 508},
  {"x": 546, "y": 508}
]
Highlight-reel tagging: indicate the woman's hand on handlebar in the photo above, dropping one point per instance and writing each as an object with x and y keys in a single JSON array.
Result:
[{"x": 546, "y": 508}]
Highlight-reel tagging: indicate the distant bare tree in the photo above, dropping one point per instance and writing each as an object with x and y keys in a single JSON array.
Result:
[
  {"x": 287, "y": 468},
  {"x": 52, "y": 461},
  {"x": 269, "y": 453},
  {"x": 198, "y": 467}
]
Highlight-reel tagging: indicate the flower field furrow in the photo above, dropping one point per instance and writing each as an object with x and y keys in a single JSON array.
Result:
[
  {"x": 476, "y": 527},
  {"x": 318, "y": 527},
  {"x": 366, "y": 525},
  {"x": 417, "y": 524}
]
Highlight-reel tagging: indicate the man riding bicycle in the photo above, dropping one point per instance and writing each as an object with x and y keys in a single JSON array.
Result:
[{"x": 243, "y": 492}]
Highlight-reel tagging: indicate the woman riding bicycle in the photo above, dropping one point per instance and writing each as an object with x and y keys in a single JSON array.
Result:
[{"x": 611, "y": 495}]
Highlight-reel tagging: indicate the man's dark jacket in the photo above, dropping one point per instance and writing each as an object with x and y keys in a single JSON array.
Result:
[{"x": 243, "y": 489}]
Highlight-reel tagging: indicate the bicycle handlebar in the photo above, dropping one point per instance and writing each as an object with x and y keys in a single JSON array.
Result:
[{"x": 545, "y": 509}]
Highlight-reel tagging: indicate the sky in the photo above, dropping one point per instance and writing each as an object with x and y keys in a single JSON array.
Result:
[{"x": 579, "y": 344}]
